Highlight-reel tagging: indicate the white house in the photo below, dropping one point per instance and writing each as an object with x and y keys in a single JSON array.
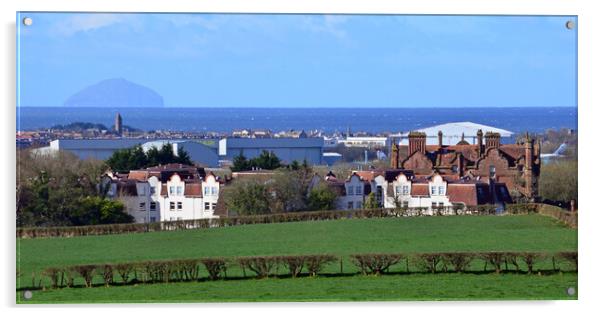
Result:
[
  {"x": 396, "y": 188},
  {"x": 166, "y": 193}
]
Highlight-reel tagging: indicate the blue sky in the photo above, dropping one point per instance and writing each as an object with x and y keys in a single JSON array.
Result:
[{"x": 228, "y": 60}]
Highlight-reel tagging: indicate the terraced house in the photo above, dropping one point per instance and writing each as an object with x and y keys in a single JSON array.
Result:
[{"x": 166, "y": 193}]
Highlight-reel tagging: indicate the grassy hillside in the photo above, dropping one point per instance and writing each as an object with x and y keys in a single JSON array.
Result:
[{"x": 341, "y": 237}]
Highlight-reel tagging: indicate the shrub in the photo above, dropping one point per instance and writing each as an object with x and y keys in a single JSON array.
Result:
[
  {"x": 55, "y": 275},
  {"x": 86, "y": 272},
  {"x": 124, "y": 270},
  {"x": 494, "y": 258},
  {"x": 569, "y": 256},
  {"x": 428, "y": 261},
  {"x": 215, "y": 267},
  {"x": 106, "y": 271},
  {"x": 186, "y": 269},
  {"x": 375, "y": 263},
  {"x": 294, "y": 264},
  {"x": 529, "y": 258},
  {"x": 315, "y": 263},
  {"x": 458, "y": 260},
  {"x": 262, "y": 266}
]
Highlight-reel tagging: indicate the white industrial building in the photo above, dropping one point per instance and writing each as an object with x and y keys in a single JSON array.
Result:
[{"x": 453, "y": 133}]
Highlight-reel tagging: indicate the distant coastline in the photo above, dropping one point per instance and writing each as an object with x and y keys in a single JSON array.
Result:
[{"x": 372, "y": 120}]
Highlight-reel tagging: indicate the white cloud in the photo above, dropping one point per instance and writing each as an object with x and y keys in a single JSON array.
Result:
[
  {"x": 329, "y": 24},
  {"x": 87, "y": 22}
]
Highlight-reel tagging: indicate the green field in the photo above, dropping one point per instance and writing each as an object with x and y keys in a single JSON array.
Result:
[{"x": 341, "y": 237}]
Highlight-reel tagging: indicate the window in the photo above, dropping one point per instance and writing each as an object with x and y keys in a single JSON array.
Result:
[
  {"x": 491, "y": 171},
  {"x": 454, "y": 169},
  {"x": 179, "y": 206},
  {"x": 172, "y": 218},
  {"x": 142, "y": 206},
  {"x": 358, "y": 190},
  {"x": 406, "y": 190},
  {"x": 206, "y": 190},
  {"x": 153, "y": 206},
  {"x": 207, "y": 204},
  {"x": 143, "y": 191},
  {"x": 406, "y": 204},
  {"x": 433, "y": 205},
  {"x": 441, "y": 190},
  {"x": 152, "y": 190},
  {"x": 179, "y": 190},
  {"x": 213, "y": 205},
  {"x": 172, "y": 206},
  {"x": 179, "y": 218},
  {"x": 397, "y": 190},
  {"x": 172, "y": 190},
  {"x": 440, "y": 204},
  {"x": 358, "y": 204},
  {"x": 433, "y": 190},
  {"x": 349, "y": 205},
  {"x": 153, "y": 219},
  {"x": 213, "y": 191}
]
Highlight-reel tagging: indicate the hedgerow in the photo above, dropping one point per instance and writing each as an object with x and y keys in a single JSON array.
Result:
[
  {"x": 182, "y": 270},
  {"x": 45, "y": 232}
]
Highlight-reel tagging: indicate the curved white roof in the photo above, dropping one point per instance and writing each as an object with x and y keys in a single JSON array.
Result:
[{"x": 457, "y": 128}]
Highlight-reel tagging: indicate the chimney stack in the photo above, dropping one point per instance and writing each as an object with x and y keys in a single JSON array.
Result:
[
  {"x": 492, "y": 140},
  {"x": 417, "y": 142},
  {"x": 440, "y": 138},
  {"x": 480, "y": 142},
  {"x": 394, "y": 156}
]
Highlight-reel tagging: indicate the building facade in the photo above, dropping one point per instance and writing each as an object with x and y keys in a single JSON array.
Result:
[
  {"x": 166, "y": 193},
  {"x": 403, "y": 189},
  {"x": 515, "y": 165}
]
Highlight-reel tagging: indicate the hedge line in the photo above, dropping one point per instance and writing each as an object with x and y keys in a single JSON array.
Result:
[
  {"x": 43, "y": 232},
  {"x": 294, "y": 266}
]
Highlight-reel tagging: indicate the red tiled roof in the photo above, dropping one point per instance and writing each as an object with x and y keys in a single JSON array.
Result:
[
  {"x": 193, "y": 189},
  {"x": 420, "y": 189},
  {"x": 462, "y": 193}
]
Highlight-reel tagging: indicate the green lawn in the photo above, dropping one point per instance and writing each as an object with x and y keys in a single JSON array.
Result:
[
  {"x": 341, "y": 237},
  {"x": 353, "y": 288}
]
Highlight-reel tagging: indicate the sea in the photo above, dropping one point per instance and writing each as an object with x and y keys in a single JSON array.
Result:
[{"x": 328, "y": 120}]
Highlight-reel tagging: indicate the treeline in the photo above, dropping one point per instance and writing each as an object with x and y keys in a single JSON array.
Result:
[
  {"x": 558, "y": 182},
  {"x": 295, "y": 266},
  {"x": 288, "y": 189},
  {"x": 62, "y": 190},
  {"x": 50, "y": 232},
  {"x": 135, "y": 158}
]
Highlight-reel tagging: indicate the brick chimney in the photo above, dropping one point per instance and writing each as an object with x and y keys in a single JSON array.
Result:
[
  {"x": 460, "y": 165},
  {"x": 528, "y": 173},
  {"x": 492, "y": 140},
  {"x": 417, "y": 142},
  {"x": 480, "y": 142},
  {"x": 394, "y": 156}
]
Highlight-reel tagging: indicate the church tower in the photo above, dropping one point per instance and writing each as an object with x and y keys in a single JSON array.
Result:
[{"x": 118, "y": 126}]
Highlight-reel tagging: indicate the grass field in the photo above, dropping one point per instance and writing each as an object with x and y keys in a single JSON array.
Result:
[{"x": 342, "y": 237}]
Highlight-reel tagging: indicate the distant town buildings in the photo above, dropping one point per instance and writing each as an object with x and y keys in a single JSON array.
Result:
[{"x": 287, "y": 149}]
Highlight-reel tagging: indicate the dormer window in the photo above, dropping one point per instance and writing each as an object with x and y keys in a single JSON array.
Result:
[
  {"x": 178, "y": 190},
  {"x": 397, "y": 190},
  {"x": 406, "y": 190},
  {"x": 433, "y": 190},
  {"x": 358, "y": 190},
  {"x": 441, "y": 190},
  {"x": 213, "y": 191}
]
